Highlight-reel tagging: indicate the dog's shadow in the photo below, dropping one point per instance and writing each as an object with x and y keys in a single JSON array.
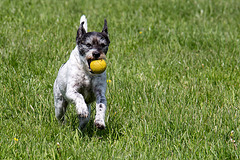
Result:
[{"x": 112, "y": 130}]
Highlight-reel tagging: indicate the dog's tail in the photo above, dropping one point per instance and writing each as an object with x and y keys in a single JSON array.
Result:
[{"x": 84, "y": 19}]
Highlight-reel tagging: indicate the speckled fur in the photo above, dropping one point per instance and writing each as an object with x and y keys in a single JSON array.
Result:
[{"x": 76, "y": 84}]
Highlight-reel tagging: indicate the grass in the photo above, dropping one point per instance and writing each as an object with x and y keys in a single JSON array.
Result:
[{"x": 174, "y": 71}]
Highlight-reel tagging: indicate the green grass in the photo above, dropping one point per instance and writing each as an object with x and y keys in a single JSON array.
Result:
[{"x": 174, "y": 71}]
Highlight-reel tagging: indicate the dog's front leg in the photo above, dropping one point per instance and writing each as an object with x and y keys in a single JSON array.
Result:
[
  {"x": 101, "y": 106},
  {"x": 78, "y": 100}
]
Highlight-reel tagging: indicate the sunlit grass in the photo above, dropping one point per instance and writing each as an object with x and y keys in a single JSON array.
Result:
[{"x": 172, "y": 73}]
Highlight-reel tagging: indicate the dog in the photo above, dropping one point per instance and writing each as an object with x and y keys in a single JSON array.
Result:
[{"x": 75, "y": 83}]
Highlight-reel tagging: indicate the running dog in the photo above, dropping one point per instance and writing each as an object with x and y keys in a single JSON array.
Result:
[{"x": 75, "y": 83}]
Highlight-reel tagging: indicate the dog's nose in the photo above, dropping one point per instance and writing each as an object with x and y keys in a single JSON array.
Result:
[{"x": 96, "y": 54}]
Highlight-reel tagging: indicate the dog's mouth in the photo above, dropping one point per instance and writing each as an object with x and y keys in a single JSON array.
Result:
[
  {"x": 92, "y": 59},
  {"x": 89, "y": 61}
]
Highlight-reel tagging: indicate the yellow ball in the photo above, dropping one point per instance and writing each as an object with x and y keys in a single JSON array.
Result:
[{"x": 98, "y": 66}]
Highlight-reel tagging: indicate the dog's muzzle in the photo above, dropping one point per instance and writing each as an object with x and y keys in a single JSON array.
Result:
[{"x": 96, "y": 54}]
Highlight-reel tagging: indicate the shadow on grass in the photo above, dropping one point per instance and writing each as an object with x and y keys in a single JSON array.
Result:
[{"x": 111, "y": 132}]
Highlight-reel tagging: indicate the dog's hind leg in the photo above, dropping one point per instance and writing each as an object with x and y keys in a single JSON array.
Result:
[
  {"x": 60, "y": 108},
  {"x": 60, "y": 104}
]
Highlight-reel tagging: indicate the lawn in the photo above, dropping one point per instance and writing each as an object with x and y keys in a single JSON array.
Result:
[{"x": 173, "y": 79}]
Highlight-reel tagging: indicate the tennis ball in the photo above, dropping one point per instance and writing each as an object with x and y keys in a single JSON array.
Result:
[{"x": 98, "y": 66}]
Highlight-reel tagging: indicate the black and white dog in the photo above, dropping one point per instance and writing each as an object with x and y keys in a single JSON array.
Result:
[{"x": 76, "y": 83}]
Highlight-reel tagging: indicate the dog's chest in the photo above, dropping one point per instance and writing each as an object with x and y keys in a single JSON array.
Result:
[{"x": 85, "y": 87}]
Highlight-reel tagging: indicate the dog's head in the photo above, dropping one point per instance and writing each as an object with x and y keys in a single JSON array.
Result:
[{"x": 92, "y": 45}]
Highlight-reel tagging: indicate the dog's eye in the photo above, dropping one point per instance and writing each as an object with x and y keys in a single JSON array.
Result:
[
  {"x": 103, "y": 45},
  {"x": 88, "y": 45}
]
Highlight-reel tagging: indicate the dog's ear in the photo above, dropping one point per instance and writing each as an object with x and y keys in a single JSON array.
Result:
[
  {"x": 81, "y": 31},
  {"x": 105, "y": 28}
]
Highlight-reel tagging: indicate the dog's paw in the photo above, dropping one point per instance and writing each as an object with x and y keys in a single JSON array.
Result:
[
  {"x": 100, "y": 124},
  {"x": 82, "y": 112}
]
